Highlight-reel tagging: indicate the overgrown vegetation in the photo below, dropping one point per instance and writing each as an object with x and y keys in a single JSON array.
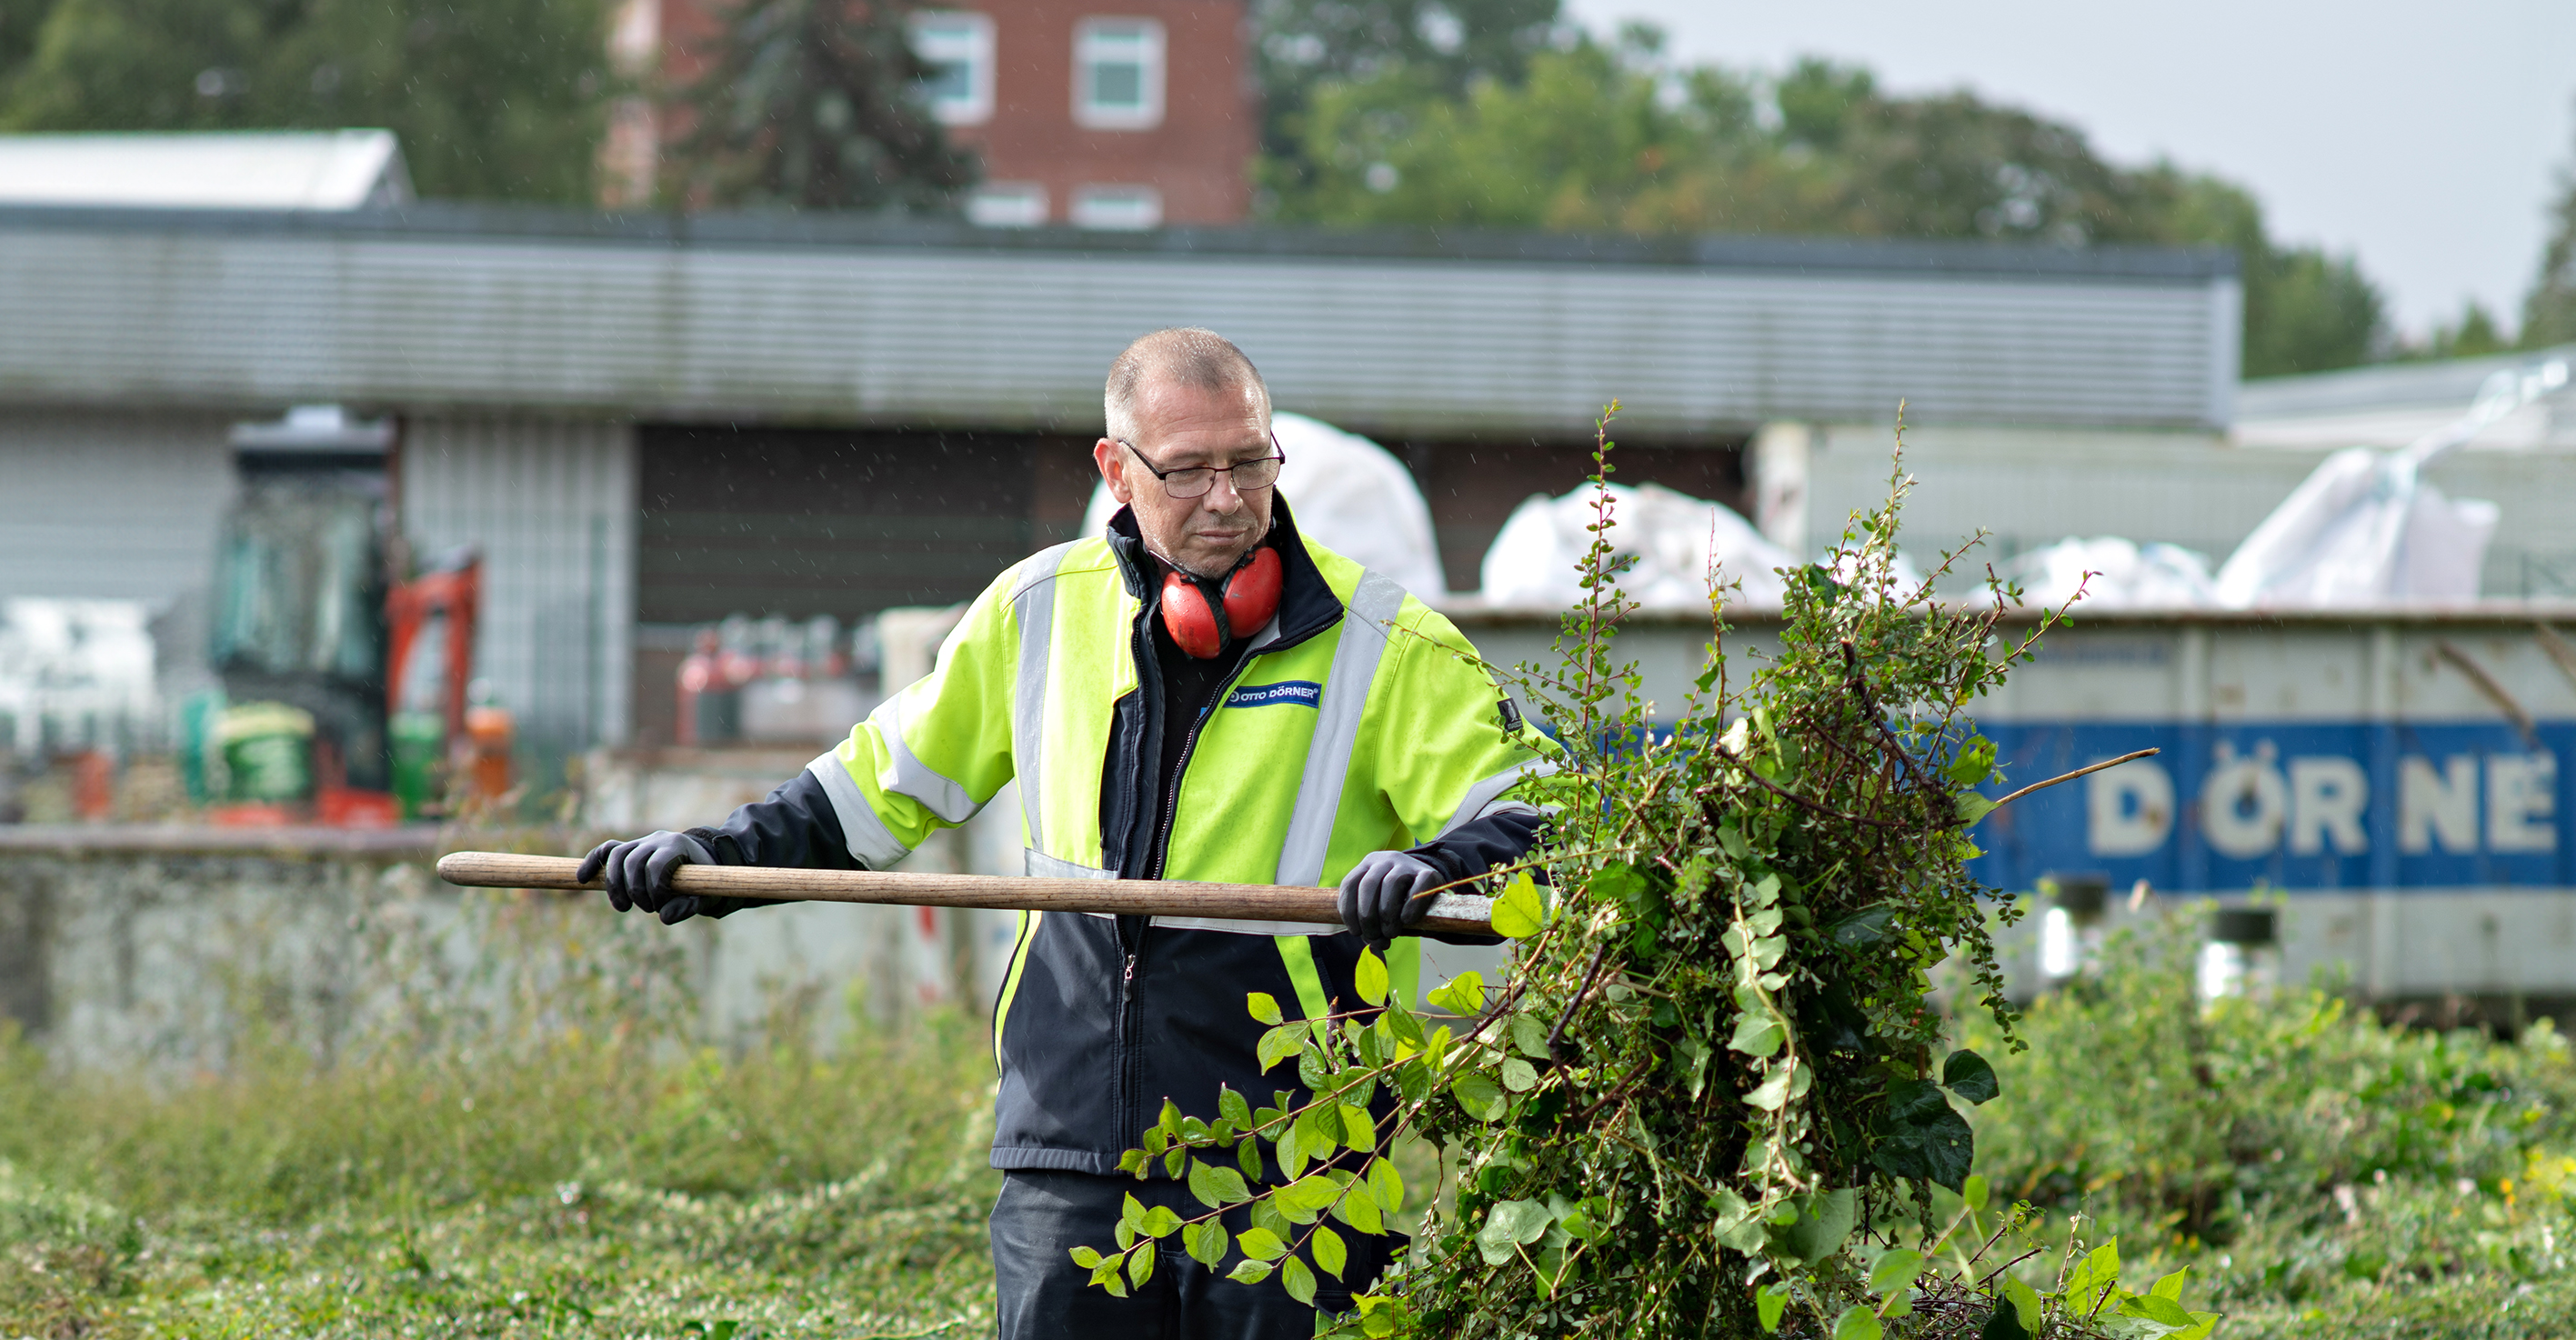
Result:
[
  {"x": 1713, "y": 1096},
  {"x": 540, "y": 1149}
]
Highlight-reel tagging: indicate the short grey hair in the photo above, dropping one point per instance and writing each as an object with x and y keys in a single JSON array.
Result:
[{"x": 1191, "y": 355}]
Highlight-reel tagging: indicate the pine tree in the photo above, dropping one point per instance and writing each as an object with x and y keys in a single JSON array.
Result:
[
  {"x": 2549, "y": 313},
  {"x": 811, "y": 104}
]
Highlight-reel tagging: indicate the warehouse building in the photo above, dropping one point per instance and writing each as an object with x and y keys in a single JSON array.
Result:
[{"x": 650, "y": 422}]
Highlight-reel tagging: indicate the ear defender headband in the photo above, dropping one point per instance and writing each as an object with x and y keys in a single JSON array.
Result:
[{"x": 1249, "y": 595}]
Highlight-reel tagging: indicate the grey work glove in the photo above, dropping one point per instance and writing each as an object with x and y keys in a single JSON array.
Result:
[
  {"x": 639, "y": 874},
  {"x": 1378, "y": 898}
]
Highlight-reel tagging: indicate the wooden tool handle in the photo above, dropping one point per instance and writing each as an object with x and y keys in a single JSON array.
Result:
[{"x": 1465, "y": 912}]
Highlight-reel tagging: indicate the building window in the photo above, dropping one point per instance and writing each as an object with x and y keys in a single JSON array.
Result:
[
  {"x": 1128, "y": 208},
  {"x": 1007, "y": 204},
  {"x": 958, "y": 48},
  {"x": 1118, "y": 74}
]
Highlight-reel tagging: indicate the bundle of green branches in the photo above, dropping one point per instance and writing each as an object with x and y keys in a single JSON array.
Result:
[{"x": 1712, "y": 1096}]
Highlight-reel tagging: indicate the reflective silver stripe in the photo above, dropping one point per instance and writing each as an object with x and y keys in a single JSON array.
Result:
[
  {"x": 944, "y": 795},
  {"x": 1373, "y": 606},
  {"x": 1055, "y": 867},
  {"x": 871, "y": 845},
  {"x": 1480, "y": 797},
  {"x": 1226, "y": 927},
  {"x": 1034, "y": 604}
]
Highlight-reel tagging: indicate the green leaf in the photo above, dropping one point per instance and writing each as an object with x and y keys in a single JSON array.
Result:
[
  {"x": 1756, "y": 1035},
  {"x": 1519, "y": 1076},
  {"x": 1298, "y": 1280},
  {"x": 1509, "y": 1225},
  {"x": 1974, "y": 1193},
  {"x": 2025, "y": 1302},
  {"x": 1228, "y": 1185},
  {"x": 1261, "y": 1244},
  {"x": 1233, "y": 1107},
  {"x": 1972, "y": 807},
  {"x": 1920, "y": 1136},
  {"x": 1773, "y": 1092},
  {"x": 1085, "y": 1257},
  {"x": 1307, "y": 1195},
  {"x": 1329, "y": 1252},
  {"x": 1974, "y": 763},
  {"x": 1133, "y": 1161},
  {"x": 1248, "y": 1154},
  {"x": 1206, "y": 1242},
  {"x": 1387, "y": 1184},
  {"x": 1530, "y": 1036},
  {"x": 2171, "y": 1285},
  {"x": 1140, "y": 1263},
  {"x": 1371, "y": 977},
  {"x": 1477, "y": 1093},
  {"x": 1106, "y": 1275},
  {"x": 1863, "y": 928},
  {"x": 1263, "y": 1005},
  {"x": 1824, "y": 1221},
  {"x": 1895, "y": 1270},
  {"x": 1290, "y": 1150},
  {"x": 2004, "y": 1323},
  {"x": 1203, "y": 1186},
  {"x": 1159, "y": 1222},
  {"x": 1858, "y": 1323},
  {"x": 1132, "y": 1212},
  {"x": 1249, "y": 1272},
  {"x": 1170, "y": 1120},
  {"x": 1359, "y": 1130},
  {"x": 1278, "y": 1044},
  {"x": 1520, "y": 912},
  {"x": 2164, "y": 1311},
  {"x": 1464, "y": 995},
  {"x": 1359, "y": 1210},
  {"x": 1769, "y": 1302},
  {"x": 1970, "y": 1076},
  {"x": 2093, "y": 1278}
]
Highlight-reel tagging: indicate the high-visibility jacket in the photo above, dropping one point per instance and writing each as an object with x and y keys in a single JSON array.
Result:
[{"x": 1352, "y": 725}]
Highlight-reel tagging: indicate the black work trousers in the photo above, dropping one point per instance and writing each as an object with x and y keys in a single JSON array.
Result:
[{"x": 1042, "y": 1216}]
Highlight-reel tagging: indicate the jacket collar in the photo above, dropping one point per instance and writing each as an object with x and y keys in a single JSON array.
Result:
[{"x": 1307, "y": 605}]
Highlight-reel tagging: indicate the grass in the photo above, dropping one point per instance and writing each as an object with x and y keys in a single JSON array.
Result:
[
  {"x": 537, "y": 1147},
  {"x": 584, "y": 1171},
  {"x": 2320, "y": 1172}
]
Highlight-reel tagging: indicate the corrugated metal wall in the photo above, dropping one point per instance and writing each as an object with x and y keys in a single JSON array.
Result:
[
  {"x": 273, "y": 313},
  {"x": 551, "y": 503},
  {"x": 111, "y": 505}
]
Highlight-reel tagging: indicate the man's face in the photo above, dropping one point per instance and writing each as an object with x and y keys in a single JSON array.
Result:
[{"x": 1177, "y": 427}]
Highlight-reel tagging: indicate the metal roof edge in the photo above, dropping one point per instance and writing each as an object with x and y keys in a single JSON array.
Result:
[
  {"x": 1809, "y": 255},
  {"x": 2489, "y": 612}
]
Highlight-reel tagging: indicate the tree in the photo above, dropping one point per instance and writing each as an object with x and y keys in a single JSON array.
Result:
[
  {"x": 813, "y": 104},
  {"x": 499, "y": 99},
  {"x": 2549, "y": 312},
  {"x": 1444, "y": 47},
  {"x": 1608, "y": 138}
]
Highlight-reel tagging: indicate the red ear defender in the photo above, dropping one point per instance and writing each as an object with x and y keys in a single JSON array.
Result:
[
  {"x": 1250, "y": 595},
  {"x": 1188, "y": 619}
]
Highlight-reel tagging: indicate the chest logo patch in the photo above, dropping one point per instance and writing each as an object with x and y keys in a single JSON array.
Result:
[{"x": 1287, "y": 693}]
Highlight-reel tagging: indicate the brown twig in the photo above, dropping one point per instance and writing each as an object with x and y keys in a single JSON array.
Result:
[
  {"x": 1819, "y": 807},
  {"x": 2071, "y": 776}
]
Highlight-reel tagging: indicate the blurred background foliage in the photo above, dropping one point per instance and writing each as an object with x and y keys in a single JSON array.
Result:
[
  {"x": 1379, "y": 113},
  {"x": 492, "y": 99}
]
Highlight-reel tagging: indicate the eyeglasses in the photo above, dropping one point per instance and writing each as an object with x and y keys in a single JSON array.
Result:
[{"x": 1194, "y": 481}]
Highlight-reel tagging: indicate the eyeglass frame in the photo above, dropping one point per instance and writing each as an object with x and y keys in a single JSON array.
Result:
[{"x": 1163, "y": 477}]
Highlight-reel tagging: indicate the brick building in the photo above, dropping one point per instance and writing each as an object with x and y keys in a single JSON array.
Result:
[{"x": 1118, "y": 114}]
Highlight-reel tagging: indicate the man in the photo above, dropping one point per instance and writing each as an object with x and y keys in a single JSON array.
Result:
[{"x": 1199, "y": 694}]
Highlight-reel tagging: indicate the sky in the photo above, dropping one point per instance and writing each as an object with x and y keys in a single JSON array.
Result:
[{"x": 2423, "y": 138}]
